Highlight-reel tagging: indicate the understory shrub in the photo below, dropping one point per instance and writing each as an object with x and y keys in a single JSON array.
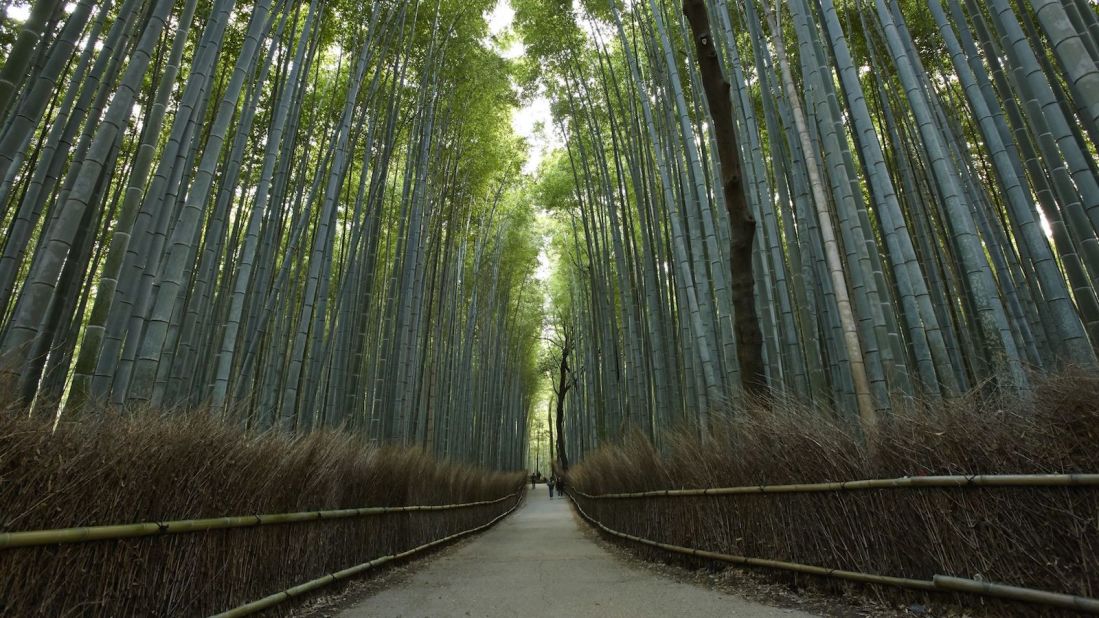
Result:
[
  {"x": 1045, "y": 538},
  {"x": 116, "y": 470}
]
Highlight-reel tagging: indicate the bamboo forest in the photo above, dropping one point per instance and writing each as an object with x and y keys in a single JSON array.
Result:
[{"x": 389, "y": 261}]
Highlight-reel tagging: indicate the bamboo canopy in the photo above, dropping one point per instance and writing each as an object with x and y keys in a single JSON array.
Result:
[{"x": 301, "y": 215}]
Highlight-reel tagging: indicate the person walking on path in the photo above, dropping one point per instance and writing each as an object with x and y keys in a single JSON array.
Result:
[
  {"x": 550, "y": 484},
  {"x": 560, "y": 484},
  {"x": 533, "y": 480}
]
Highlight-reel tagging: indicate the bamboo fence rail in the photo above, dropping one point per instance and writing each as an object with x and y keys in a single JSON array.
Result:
[
  {"x": 939, "y": 583},
  {"x": 1003, "y": 591},
  {"x": 300, "y": 589},
  {"x": 31, "y": 538},
  {"x": 904, "y": 482}
]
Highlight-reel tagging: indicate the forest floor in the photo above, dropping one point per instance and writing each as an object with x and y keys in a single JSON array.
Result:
[{"x": 542, "y": 561}]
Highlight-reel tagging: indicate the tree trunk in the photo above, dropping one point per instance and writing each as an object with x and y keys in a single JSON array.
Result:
[
  {"x": 742, "y": 225},
  {"x": 564, "y": 382}
]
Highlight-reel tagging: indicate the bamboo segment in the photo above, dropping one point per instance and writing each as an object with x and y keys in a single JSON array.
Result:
[
  {"x": 32, "y": 538},
  {"x": 959, "y": 480},
  {"x": 289, "y": 593},
  {"x": 1015, "y": 593},
  {"x": 939, "y": 583}
]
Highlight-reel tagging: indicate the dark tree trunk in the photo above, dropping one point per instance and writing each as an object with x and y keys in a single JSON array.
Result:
[
  {"x": 564, "y": 383},
  {"x": 549, "y": 422},
  {"x": 742, "y": 225},
  {"x": 562, "y": 457}
]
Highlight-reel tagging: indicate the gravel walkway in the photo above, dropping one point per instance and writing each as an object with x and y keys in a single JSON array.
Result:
[{"x": 539, "y": 563}]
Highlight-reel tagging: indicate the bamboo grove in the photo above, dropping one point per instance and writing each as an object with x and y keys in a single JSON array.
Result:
[
  {"x": 922, "y": 175},
  {"x": 299, "y": 214}
]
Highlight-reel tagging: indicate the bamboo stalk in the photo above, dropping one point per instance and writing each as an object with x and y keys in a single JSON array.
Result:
[
  {"x": 939, "y": 583},
  {"x": 905, "y": 482},
  {"x": 31, "y": 538},
  {"x": 1029, "y": 595},
  {"x": 295, "y": 591}
]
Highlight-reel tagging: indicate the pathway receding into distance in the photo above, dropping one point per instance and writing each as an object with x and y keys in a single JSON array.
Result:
[{"x": 538, "y": 562}]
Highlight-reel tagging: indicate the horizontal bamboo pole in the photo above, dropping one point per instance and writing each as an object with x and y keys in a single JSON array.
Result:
[
  {"x": 918, "y": 584},
  {"x": 290, "y": 593},
  {"x": 940, "y": 583},
  {"x": 31, "y": 538},
  {"x": 1003, "y": 591},
  {"x": 904, "y": 482}
]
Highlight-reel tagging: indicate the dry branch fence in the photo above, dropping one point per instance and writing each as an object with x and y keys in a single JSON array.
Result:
[
  {"x": 765, "y": 485},
  {"x": 34, "y": 538},
  {"x": 330, "y": 578},
  {"x": 174, "y": 476},
  {"x": 938, "y": 582},
  {"x": 31, "y": 538}
]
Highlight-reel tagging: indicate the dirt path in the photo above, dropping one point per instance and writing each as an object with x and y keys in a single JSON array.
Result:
[{"x": 539, "y": 563}]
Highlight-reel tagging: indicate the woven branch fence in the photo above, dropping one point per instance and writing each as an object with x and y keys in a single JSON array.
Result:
[
  {"x": 300, "y": 510},
  {"x": 311, "y": 585},
  {"x": 953, "y": 480},
  {"x": 31, "y": 538},
  {"x": 62, "y": 536},
  {"x": 634, "y": 509}
]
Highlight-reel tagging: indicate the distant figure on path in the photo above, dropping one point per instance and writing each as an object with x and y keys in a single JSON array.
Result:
[
  {"x": 560, "y": 483},
  {"x": 549, "y": 484},
  {"x": 533, "y": 480}
]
